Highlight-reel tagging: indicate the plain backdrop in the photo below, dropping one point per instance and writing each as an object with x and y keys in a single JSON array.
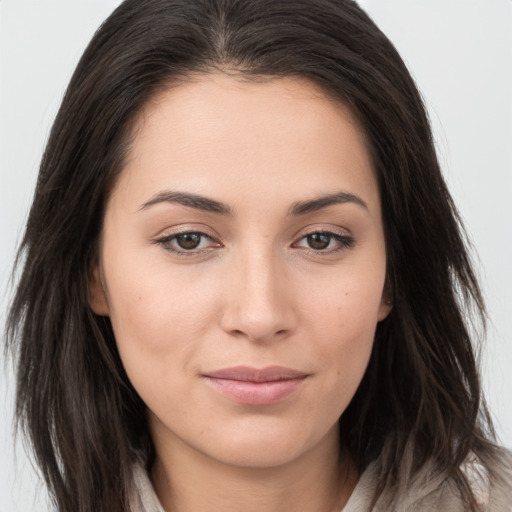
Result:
[{"x": 460, "y": 53}]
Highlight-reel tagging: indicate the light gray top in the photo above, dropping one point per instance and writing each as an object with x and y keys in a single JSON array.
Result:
[
  {"x": 145, "y": 499},
  {"x": 425, "y": 493}
]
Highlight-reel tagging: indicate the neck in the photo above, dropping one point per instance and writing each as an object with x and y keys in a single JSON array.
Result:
[{"x": 321, "y": 480}]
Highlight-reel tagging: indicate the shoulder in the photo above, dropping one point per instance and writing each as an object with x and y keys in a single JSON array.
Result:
[
  {"x": 490, "y": 481},
  {"x": 499, "y": 480}
]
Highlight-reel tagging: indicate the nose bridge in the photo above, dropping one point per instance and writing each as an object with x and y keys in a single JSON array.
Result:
[{"x": 258, "y": 305}]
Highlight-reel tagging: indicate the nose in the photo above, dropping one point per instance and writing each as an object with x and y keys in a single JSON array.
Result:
[{"x": 258, "y": 303}]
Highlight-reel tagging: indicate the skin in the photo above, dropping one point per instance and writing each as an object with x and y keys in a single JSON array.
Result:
[{"x": 254, "y": 293}]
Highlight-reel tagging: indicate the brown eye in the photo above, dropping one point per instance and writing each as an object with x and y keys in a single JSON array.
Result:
[
  {"x": 188, "y": 240},
  {"x": 189, "y": 243},
  {"x": 326, "y": 242},
  {"x": 318, "y": 241}
]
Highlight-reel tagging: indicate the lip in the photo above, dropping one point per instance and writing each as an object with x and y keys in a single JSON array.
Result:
[{"x": 252, "y": 386}]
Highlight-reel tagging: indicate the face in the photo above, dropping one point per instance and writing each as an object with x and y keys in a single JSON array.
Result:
[{"x": 242, "y": 264}]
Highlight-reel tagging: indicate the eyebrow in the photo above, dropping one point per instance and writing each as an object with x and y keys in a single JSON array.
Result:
[
  {"x": 192, "y": 200},
  {"x": 212, "y": 206},
  {"x": 313, "y": 205}
]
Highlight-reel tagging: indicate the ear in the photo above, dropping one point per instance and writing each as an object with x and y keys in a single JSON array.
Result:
[
  {"x": 97, "y": 296},
  {"x": 386, "y": 303}
]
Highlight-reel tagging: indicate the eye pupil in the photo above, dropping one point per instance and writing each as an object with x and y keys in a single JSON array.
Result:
[
  {"x": 318, "y": 241},
  {"x": 188, "y": 240}
]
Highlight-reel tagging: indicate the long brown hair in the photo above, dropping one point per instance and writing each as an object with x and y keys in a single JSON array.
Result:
[{"x": 420, "y": 399}]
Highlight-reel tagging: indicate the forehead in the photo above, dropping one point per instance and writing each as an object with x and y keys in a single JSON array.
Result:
[
  {"x": 218, "y": 100},
  {"x": 223, "y": 133}
]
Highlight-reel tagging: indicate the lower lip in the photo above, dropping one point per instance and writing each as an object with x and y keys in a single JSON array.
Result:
[{"x": 255, "y": 393}]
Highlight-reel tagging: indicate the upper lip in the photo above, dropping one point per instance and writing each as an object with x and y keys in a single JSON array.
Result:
[{"x": 250, "y": 374}]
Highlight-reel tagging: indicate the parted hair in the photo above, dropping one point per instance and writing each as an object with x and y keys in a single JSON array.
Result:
[{"x": 420, "y": 398}]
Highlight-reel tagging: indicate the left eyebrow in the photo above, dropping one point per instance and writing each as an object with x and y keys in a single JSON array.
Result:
[{"x": 305, "y": 207}]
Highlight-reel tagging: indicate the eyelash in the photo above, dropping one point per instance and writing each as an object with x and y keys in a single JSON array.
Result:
[{"x": 345, "y": 242}]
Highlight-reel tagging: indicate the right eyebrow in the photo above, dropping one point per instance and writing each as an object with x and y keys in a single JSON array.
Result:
[{"x": 192, "y": 200}]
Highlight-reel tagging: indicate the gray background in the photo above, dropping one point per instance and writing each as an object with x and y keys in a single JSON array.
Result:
[{"x": 459, "y": 51}]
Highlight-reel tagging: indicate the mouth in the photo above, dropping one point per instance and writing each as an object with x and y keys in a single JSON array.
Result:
[{"x": 252, "y": 386}]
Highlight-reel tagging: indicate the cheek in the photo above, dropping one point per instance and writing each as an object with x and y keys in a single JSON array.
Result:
[
  {"x": 159, "y": 318},
  {"x": 342, "y": 318},
  {"x": 346, "y": 306}
]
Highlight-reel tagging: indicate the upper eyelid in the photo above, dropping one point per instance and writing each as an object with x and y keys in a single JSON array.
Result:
[{"x": 168, "y": 235}]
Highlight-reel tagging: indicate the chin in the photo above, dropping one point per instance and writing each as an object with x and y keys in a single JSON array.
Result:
[
  {"x": 256, "y": 455},
  {"x": 261, "y": 445}
]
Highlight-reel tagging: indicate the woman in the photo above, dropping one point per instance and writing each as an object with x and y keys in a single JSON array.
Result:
[{"x": 244, "y": 282}]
